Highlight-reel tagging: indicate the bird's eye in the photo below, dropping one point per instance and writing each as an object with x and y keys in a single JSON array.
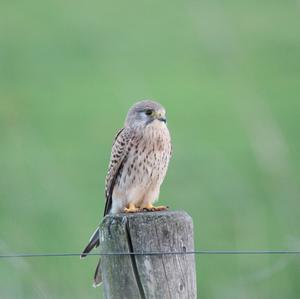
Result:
[{"x": 148, "y": 112}]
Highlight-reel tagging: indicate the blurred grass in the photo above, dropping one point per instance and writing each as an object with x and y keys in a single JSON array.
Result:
[{"x": 229, "y": 76}]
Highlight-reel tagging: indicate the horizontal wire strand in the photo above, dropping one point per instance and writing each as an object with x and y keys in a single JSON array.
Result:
[{"x": 195, "y": 252}]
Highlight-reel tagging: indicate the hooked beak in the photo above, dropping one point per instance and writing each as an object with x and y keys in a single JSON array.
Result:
[
  {"x": 163, "y": 119},
  {"x": 160, "y": 116}
]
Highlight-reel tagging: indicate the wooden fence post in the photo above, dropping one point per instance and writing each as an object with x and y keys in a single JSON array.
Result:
[{"x": 148, "y": 276}]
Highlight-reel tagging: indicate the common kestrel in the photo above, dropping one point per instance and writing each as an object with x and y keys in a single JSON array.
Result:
[{"x": 138, "y": 164}]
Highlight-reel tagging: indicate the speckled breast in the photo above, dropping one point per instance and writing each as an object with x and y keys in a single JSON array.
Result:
[{"x": 148, "y": 158}]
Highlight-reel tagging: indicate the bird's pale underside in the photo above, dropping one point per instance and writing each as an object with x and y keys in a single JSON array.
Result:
[{"x": 138, "y": 164}]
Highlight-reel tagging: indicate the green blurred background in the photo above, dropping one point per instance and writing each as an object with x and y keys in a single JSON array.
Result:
[{"x": 228, "y": 74}]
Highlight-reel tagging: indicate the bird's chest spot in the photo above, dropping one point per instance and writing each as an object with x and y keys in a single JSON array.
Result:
[
  {"x": 148, "y": 158},
  {"x": 150, "y": 163}
]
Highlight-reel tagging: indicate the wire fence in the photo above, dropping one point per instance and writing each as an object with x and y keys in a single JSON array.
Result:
[{"x": 149, "y": 253}]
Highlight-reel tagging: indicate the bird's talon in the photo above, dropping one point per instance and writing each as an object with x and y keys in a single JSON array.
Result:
[
  {"x": 155, "y": 209},
  {"x": 132, "y": 209}
]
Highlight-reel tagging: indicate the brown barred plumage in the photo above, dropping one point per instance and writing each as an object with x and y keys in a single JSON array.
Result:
[{"x": 139, "y": 160}]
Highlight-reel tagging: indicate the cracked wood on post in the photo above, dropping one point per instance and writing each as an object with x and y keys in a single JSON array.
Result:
[{"x": 148, "y": 276}]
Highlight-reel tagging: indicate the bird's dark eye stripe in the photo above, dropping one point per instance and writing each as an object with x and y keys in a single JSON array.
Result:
[{"x": 148, "y": 111}]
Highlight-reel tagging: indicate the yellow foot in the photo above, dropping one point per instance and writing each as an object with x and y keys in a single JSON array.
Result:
[
  {"x": 131, "y": 209},
  {"x": 151, "y": 208}
]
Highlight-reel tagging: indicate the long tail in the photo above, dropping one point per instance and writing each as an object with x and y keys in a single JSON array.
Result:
[
  {"x": 94, "y": 242},
  {"x": 98, "y": 275}
]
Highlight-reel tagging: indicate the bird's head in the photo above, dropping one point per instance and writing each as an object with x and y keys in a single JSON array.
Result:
[{"x": 145, "y": 112}]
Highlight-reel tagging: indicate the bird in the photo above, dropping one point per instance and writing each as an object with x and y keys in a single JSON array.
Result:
[{"x": 138, "y": 164}]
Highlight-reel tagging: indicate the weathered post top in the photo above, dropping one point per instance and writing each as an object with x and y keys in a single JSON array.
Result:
[{"x": 148, "y": 276}]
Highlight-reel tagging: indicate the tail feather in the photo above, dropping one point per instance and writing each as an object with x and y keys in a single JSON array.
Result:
[
  {"x": 98, "y": 275},
  {"x": 94, "y": 242}
]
